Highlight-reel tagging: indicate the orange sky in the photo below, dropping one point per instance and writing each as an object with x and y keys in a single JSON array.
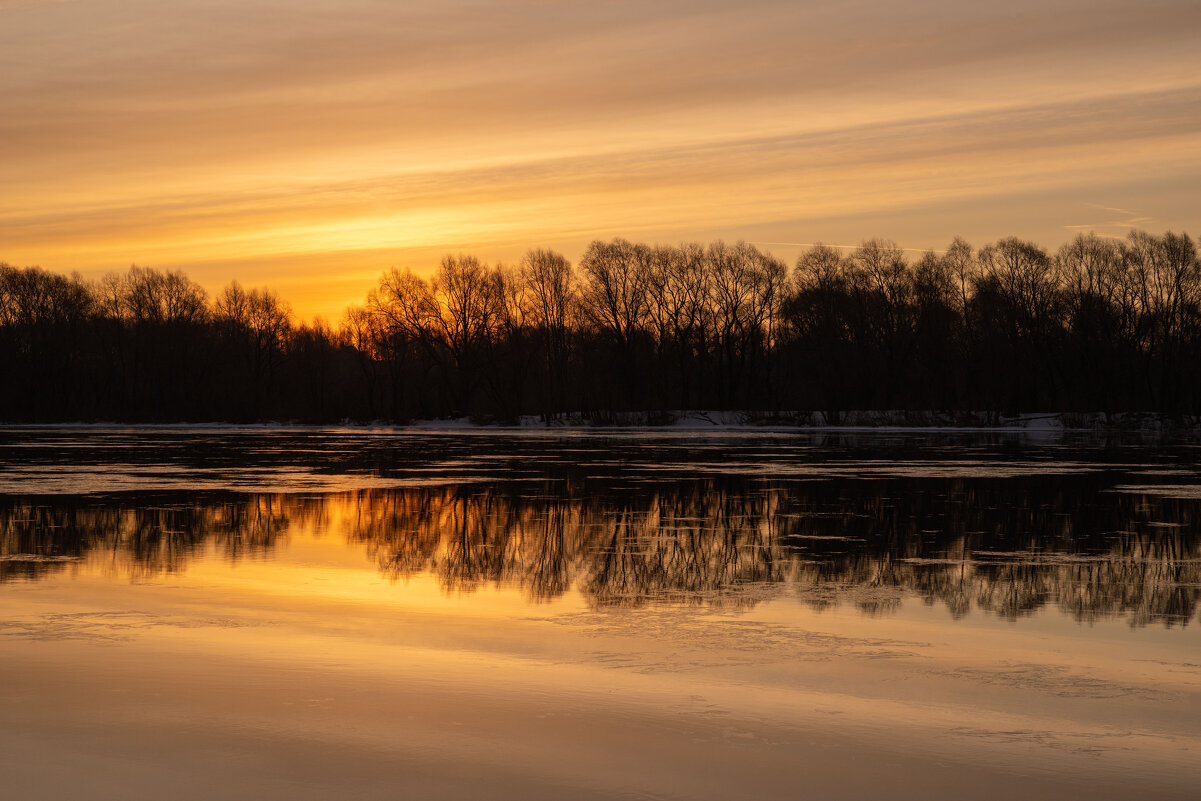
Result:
[{"x": 308, "y": 146}]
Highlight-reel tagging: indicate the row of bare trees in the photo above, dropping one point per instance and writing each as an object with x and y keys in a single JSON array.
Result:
[
  {"x": 633, "y": 327},
  {"x": 1099, "y": 325},
  {"x": 143, "y": 345}
]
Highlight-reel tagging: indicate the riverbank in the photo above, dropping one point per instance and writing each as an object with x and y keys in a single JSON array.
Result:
[
  {"x": 712, "y": 420},
  {"x": 863, "y": 419}
]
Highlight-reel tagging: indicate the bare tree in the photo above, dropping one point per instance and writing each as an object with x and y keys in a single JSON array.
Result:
[
  {"x": 965, "y": 270},
  {"x": 614, "y": 291},
  {"x": 257, "y": 324},
  {"x": 1022, "y": 284},
  {"x": 613, "y": 301},
  {"x": 469, "y": 296},
  {"x": 550, "y": 285},
  {"x": 156, "y": 319},
  {"x": 1167, "y": 277},
  {"x": 679, "y": 298},
  {"x": 362, "y": 331},
  {"x": 745, "y": 293}
]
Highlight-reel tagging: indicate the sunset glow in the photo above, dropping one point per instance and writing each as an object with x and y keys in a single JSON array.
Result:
[{"x": 309, "y": 147}]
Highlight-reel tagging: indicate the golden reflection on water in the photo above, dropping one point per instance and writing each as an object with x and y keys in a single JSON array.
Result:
[
  {"x": 698, "y": 544},
  {"x": 469, "y": 643}
]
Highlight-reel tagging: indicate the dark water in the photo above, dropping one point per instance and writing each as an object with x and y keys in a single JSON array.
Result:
[
  {"x": 1094, "y": 529},
  {"x": 952, "y": 606}
]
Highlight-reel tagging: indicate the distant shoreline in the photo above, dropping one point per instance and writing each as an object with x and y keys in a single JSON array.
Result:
[{"x": 699, "y": 421}]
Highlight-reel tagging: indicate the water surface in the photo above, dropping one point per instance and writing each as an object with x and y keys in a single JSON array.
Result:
[{"x": 299, "y": 613}]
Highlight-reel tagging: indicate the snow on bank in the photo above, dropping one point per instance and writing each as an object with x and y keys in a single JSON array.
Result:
[{"x": 701, "y": 420}]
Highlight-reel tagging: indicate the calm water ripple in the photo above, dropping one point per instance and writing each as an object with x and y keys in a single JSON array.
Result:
[{"x": 1003, "y": 615}]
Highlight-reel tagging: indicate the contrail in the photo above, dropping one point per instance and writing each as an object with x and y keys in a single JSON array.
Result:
[
  {"x": 1127, "y": 212},
  {"x": 843, "y": 247}
]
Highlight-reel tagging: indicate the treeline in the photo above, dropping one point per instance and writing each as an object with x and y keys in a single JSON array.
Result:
[{"x": 1100, "y": 325}]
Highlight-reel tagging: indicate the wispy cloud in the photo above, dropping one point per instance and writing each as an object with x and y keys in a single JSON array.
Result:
[
  {"x": 252, "y": 135},
  {"x": 1127, "y": 220}
]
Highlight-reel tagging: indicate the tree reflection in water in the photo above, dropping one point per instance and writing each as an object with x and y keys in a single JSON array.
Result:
[{"x": 1005, "y": 547}]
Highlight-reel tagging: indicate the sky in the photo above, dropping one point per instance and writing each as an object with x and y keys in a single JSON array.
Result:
[{"x": 309, "y": 146}]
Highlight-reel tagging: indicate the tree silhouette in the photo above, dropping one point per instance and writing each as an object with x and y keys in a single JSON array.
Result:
[{"x": 1099, "y": 325}]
